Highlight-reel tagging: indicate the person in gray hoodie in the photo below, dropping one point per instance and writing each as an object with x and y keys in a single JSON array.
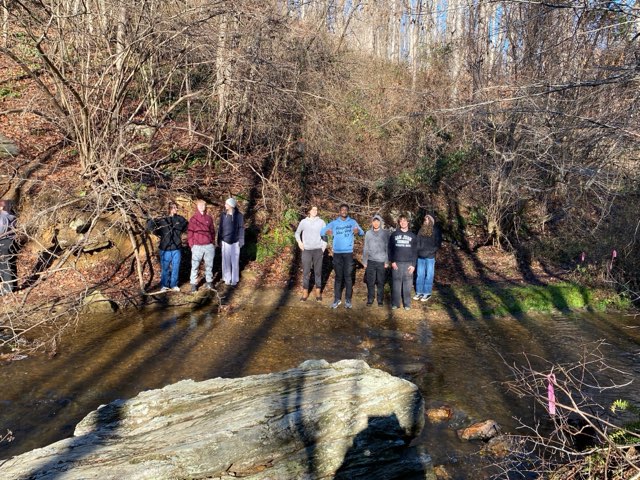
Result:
[
  {"x": 312, "y": 246},
  {"x": 375, "y": 259}
]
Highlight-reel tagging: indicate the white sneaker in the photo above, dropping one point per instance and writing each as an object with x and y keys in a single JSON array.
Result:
[
  {"x": 176, "y": 289},
  {"x": 425, "y": 298},
  {"x": 165, "y": 289},
  {"x": 417, "y": 296}
]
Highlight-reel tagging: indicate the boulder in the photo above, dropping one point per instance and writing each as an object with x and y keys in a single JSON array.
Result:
[
  {"x": 8, "y": 148},
  {"x": 480, "y": 431},
  {"x": 342, "y": 420}
]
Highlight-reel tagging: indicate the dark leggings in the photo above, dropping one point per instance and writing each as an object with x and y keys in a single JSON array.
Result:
[{"x": 343, "y": 267}]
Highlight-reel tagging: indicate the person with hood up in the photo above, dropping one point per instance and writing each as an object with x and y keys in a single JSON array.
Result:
[
  {"x": 429, "y": 241},
  {"x": 312, "y": 246},
  {"x": 170, "y": 230},
  {"x": 375, "y": 259},
  {"x": 201, "y": 235},
  {"x": 231, "y": 240},
  {"x": 342, "y": 229}
]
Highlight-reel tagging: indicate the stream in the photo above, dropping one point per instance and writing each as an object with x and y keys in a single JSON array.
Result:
[{"x": 459, "y": 361}]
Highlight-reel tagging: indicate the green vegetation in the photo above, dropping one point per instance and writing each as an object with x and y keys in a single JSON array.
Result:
[
  {"x": 275, "y": 238},
  {"x": 629, "y": 434},
  {"x": 500, "y": 299}
]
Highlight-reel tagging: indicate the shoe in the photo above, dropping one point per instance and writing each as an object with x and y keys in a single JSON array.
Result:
[
  {"x": 318, "y": 295},
  {"x": 369, "y": 304},
  {"x": 426, "y": 298},
  {"x": 176, "y": 288},
  {"x": 165, "y": 289},
  {"x": 347, "y": 304},
  {"x": 336, "y": 304},
  {"x": 305, "y": 295},
  {"x": 380, "y": 304},
  {"x": 417, "y": 296},
  {"x": 393, "y": 307},
  {"x": 194, "y": 288},
  {"x": 208, "y": 285},
  {"x": 407, "y": 308}
]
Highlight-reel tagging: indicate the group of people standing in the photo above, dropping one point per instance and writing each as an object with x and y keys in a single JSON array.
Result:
[
  {"x": 202, "y": 240},
  {"x": 402, "y": 250}
]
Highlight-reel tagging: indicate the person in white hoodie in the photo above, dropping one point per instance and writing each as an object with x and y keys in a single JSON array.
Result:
[{"x": 312, "y": 246}]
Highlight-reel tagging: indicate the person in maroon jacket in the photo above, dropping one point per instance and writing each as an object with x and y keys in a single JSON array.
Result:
[{"x": 201, "y": 234}]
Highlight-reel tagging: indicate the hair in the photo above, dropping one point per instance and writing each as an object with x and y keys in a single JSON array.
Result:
[
  {"x": 426, "y": 229},
  {"x": 344, "y": 205},
  {"x": 171, "y": 204},
  {"x": 401, "y": 217},
  {"x": 311, "y": 207}
]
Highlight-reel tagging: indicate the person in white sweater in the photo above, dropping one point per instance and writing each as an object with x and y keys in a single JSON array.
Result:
[{"x": 312, "y": 246}]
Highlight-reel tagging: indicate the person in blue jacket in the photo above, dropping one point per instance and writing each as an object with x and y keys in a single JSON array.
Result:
[{"x": 343, "y": 230}]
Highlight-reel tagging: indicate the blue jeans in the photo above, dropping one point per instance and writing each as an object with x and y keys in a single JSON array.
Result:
[
  {"x": 170, "y": 262},
  {"x": 424, "y": 275}
]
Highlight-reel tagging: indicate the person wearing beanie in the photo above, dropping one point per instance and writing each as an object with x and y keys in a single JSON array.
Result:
[
  {"x": 201, "y": 235},
  {"x": 403, "y": 252},
  {"x": 231, "y": 240},
  {"x": 429, "y": 240},
  {"x": 170, "y": 230},
  {"x": 375, "y": 259},
  {"x": 8, "y": 277},
  {"x": 342, "y": 229},
  {"x": 312, "y": 246}
]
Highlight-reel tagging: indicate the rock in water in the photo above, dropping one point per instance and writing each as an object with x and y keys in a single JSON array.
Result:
[{"x": 320, "y": 420}]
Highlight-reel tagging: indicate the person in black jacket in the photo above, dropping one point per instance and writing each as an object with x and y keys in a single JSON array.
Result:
[
  {"x": 8, "y": 276},
  {"x": 429, "y": 240},
  {"x": 170, "y": 230},
  {"x": 403, "y": 251},
  {"x": 231, "y": 240}
]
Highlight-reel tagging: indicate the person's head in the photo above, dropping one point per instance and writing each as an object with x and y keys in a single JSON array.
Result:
[
  {"x": 376, "y": 222},
  {"x": 428, "y": 220},
  {"x": 172, "y": 208},
  {"x": 344, "y": 210},
  {"x": 4, "y": 206},
  {"x": 201, "y": 206},
  {"x": 403, "y": 223},
  {"x": 230, "y": 204},
  {"x": 313, "y": 211}
]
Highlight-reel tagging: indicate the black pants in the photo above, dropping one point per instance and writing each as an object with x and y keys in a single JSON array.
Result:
[
  {"x": 343, "y": 267},
  {"x": 312, "y": 258},
  {"x": 7, "y": 266},
  {"x": 402, "y": 283},
  {"x": 375, "y": 275}
]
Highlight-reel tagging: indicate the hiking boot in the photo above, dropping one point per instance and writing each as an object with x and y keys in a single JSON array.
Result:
[
  {"x": 176, "y": 288},
  {"x": 318, "y": 295},
  {"x": 336, "y": 304},
  {"x": 194, "y": 288},
  {"x": 426, "y": 298},
  {"x": 305, "y": 295},
  {"x": 347, "y": 304},
  {"x": 380, "y": 304},
  {"x": 417, "y": 296}
]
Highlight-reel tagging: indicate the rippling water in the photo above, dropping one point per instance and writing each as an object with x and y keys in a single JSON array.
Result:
[{"x": 460, "y": 363}]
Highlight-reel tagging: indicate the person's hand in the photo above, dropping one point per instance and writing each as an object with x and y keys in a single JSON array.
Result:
[
  {"x": 394, "y": 265},
  {"x": 355, "y": 230},
  {"x": 301, "y": 245},
  {"x": 411, "y": 269},
  {"x": 328, "y": 232},
  {"x": 364, "y": 265},
  {"x": 386, "y": 265}
]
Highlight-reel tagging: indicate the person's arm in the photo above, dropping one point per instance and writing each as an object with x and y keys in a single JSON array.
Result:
[
  {"x": 241, "y": 230},
  {"x": 391, "y": 252},
  {"x": 212, "y": 230},
  {"x": 326, "y": 230},
  {"x": 360, "y": 231},
  {"x": 190, "y": 230},
  {"x": 365, "y": 253},
  {"x": 297, "y": 235}
]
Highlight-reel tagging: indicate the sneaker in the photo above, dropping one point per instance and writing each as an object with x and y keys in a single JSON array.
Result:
[
  {"x": 176, "y": 288},
  {"x": 426, "y": 298},
  {"x": 407, "y": 308},
  {"x": 347, "y": 304},
  {"x": 194, "y": 288},
  {"x": 336, "y": 303},
  {"x": 165, "y": 289},
  {"x": 208, "y": 286},
  {"x": 369, "y": 304},
  {"x": 393, "y": 307},
  {"x": 417, "y": 296},
  {"x": 380, "y": 304}
]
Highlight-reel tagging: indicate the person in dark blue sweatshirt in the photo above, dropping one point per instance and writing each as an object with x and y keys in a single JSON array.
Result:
[
  {"x": 343, "y": 230},
  {"x": 403, "y": 253}
]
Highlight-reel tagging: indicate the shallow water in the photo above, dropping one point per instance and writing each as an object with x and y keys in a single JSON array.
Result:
[{"x": 460, "y": 363}]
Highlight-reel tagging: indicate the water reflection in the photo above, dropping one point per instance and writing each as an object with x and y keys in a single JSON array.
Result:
[{"x": 454, "y": 362}]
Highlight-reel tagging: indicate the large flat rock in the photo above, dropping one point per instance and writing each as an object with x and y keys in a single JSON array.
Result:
[{"x": 320, "y": 420}]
